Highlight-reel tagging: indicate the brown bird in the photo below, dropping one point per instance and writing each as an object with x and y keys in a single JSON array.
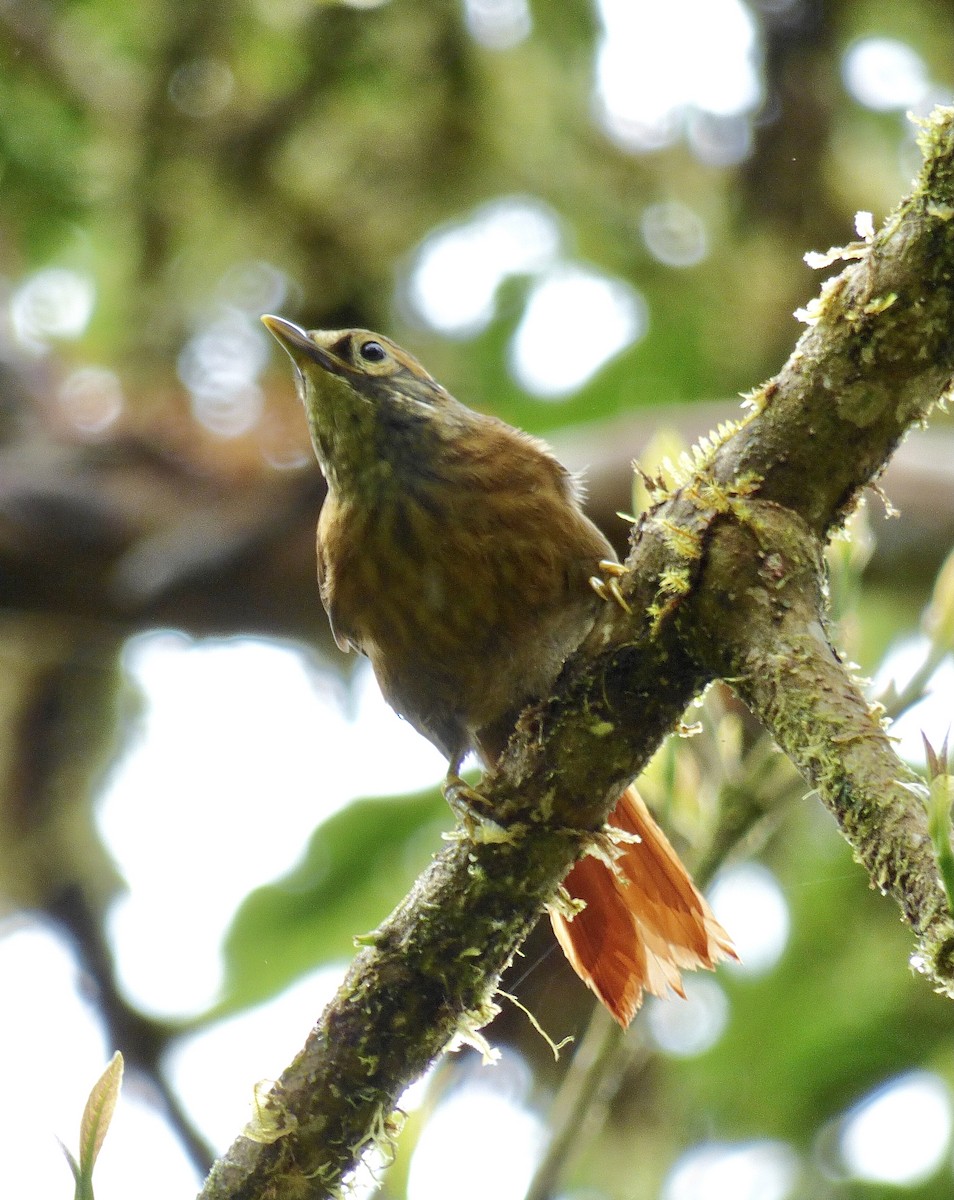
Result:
[{"x": 453, "y": 551}]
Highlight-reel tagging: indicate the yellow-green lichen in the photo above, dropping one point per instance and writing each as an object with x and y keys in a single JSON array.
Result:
[
  {"x": 879, "y": 304},
  {"x": 565, "y": 905},
  {"x": 555, "y": 1047},
  {"x": 685, "y": 542},
  {"x": 468, "y": 1032},
  {"x": 675, "y": 581},
  {"x": 270, "y": 1118}
]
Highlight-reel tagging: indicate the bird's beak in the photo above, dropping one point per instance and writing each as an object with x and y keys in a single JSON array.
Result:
[{"x": 297, "y": 344}]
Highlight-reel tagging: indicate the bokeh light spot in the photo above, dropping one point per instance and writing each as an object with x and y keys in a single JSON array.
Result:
[
  {"x": 688, "y": 1027},
  {"x": 717, "y": 140},
  {"x": 765, "y": 1170},
  {"x": 254, "y": 287},
  {"x": 674, "y": 234},
  {"x": 498, "y": 24},
  {"x": 456, "y": 1141},
  {"x": 220, "y": 366},
  {"x": 454, "y": 278},
  {"x": 90, "y": 399},
  {"x": 51, "y": 303},
  {"x": 658, "y": 61},
  {"x": 576, "y": 319},
  {"x": 884, "y": 74},
  {"x": 900, "y": 1133},
  {"x": 750, "y": 904}
]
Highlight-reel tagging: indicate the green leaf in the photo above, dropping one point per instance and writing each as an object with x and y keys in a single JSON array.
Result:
[
  {"x": 73, "y": 1164},
  {"x": 357, "y": 866},
  {"x": 97, "y": 1116},
  {"x": 939, "y": 812}
]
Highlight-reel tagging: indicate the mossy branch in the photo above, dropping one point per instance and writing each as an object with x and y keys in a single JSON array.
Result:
[
  {"x": 774, "y": 651},
  {"x": 724, "y": 581}
]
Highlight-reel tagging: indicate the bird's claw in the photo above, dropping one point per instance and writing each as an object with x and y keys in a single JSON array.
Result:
[
  {"x": 474, "y": 813},
  {"x": 461, "y": 796},
  {"x": 607, "y": 586}
]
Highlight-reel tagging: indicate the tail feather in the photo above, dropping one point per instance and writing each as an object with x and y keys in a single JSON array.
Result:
[{"x": 643, "y": 923}]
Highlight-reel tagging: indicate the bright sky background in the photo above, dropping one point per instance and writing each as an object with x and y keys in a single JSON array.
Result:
[
  {"x": 248, "y": 728},
  {"x": 241, "y": 725}
]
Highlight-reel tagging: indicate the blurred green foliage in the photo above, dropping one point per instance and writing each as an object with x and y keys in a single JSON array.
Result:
[{"x": 356, "y": 867}]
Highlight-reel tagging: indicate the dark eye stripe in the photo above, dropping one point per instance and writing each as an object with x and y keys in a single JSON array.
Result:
[{"x": 342, "y": 348}]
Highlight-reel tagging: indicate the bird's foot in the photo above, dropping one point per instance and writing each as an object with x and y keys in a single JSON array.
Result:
[
  {"x": 474, "y": 813},
  {"x": 607, "y": 586}
]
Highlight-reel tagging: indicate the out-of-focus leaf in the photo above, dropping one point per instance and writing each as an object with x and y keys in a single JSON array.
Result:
[
  {"x": 38, "y": 150},
  {"x": 357, "y": 866}
]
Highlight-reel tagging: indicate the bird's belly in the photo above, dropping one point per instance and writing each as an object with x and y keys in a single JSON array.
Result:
[
  {"x": 464, "y": 621},
  {"x": 453, "y": 658}
]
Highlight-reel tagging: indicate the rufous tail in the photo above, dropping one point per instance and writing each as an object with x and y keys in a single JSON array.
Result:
[{"x": 643, "y": 923}]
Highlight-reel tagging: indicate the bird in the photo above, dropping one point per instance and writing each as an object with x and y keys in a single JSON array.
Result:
[{"x": 454, "y": 553}]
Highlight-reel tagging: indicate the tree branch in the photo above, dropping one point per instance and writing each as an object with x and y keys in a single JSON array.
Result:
[
  {"x": 775, "y": 653},
  {"x": 723, "y": 580}
]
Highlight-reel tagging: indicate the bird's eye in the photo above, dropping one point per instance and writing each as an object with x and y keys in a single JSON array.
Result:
[{"x": 373, "y": 352}]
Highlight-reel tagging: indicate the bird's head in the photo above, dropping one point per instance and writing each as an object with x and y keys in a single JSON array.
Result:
[{"x": 370, "y": 404}]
